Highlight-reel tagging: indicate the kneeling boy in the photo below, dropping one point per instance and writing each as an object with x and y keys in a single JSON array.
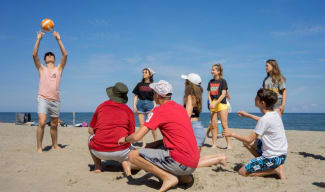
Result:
[{"x": 271, "y": 149}]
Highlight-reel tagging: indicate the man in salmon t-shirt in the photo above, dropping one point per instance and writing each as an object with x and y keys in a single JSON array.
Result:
[
  {"x": 49, "y": 90},
  {"x": 176, "y": 156}
]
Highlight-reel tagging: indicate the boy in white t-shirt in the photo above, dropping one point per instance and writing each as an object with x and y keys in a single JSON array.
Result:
[{"x": 271, "y": 149}]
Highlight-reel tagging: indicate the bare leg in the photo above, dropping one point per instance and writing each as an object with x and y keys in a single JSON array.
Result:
[
  {"x": 126, "y": 167},
  {"x": 168, "y": 179},
  {"x": 141, "y": 123},
  {"x": 54, "y": 132},
  {"x": 224, "y": 122},
  {"x": 277, "y": 171},
  {"x": 252, "y": 148},
  {"x": 97, "y": 163},
  {"x": 214, "y": 123},
  {"x": 208, "y": 160},
  {"x": 40, "y": 131}
]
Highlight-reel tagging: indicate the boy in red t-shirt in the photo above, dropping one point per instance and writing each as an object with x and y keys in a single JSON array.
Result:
[
  {"x": 112, "y": 120},
  {"x": 177, "y": 153}
]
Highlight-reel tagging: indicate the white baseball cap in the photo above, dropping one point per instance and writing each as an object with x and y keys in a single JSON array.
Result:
[
  {"x": 162, "y": 88},
  {"x": 152, "y": 72},
  {"x": 193, "y": 78}
]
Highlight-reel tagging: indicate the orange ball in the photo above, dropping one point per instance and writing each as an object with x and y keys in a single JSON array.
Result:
[{"x": 47, "y": 25}]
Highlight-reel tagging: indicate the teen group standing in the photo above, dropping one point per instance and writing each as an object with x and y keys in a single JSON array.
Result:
[{"x": 174, "y": 158}]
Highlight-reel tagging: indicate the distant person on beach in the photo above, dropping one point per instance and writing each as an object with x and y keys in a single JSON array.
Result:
[
  {"x": 217, "y": 91},
  {"x": 112, "y": 120},
  {"x": 271, "y": 149},
  {"x": 275, "y": 81},
  {"x": 176, "y": 156},
  {"x": 49, "y": 90},
  {"x": 193, "y": 104},
  {"x": 143, "y": 101}
]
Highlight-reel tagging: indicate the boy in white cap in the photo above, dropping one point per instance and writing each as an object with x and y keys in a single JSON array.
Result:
[{"x": 176, "y": 156}]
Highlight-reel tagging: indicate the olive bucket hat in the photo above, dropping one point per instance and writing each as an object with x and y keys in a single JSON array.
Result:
[{"x": 118, "y": 93}]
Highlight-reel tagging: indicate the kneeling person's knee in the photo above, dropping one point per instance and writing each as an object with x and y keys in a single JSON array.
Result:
[{"x": 132, "y": 155}]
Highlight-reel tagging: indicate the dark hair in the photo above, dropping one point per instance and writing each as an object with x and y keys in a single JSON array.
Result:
[
  {"x": 49, "y": 53},
  {"x": 151, "y": 75},
  {"x": 269, "y": 97}
]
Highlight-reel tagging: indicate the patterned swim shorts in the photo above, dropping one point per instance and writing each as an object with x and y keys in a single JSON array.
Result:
[{"x": 262, "y": 163}]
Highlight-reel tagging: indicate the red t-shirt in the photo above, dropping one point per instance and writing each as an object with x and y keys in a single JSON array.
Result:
[
  {"x": 176, "y": 128},
  {"x": 111, "y": 121}
]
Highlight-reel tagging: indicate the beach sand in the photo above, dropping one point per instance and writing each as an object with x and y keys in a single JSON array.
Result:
[{"x": 68, "y": 169}]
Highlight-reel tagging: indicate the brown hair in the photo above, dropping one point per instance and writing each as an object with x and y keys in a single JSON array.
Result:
[
  {"x": 196, "y": 94},
  {"x": 269, "y": 97},
  {"x": 151, "y": 75},
  {"x": 275, "y": 73},
  {"x": 220, "y": 69}
]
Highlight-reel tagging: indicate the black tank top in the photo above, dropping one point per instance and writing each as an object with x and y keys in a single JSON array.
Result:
[{"x": 195, "y": 112}]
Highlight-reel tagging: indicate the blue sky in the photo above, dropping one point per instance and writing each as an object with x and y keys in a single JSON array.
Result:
[{"x": 110, "y": 41}]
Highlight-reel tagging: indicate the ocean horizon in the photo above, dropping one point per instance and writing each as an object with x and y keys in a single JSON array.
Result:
[{"x": 291, "y": 121}]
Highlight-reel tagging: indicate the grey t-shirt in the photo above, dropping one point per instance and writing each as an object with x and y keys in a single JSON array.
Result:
[{"x": 277, "y": 87}]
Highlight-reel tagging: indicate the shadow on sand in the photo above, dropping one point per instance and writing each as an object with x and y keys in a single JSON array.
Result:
[
  {"x": 49, "y": 147},
  {"x": 319, "y": 184},
  {"x": 305, "y": 154}
]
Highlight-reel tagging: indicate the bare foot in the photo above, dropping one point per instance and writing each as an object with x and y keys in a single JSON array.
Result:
[
  {"x": 223, "y": 161},
  {"x": 40, "y": 150},
  {"x": 229, "y": 147},
  {"x": 56, "y": 147},
  {"x": 280, "y": 172},
  {"x": 168, "y": 183},
  {"x": 97, "y": 171},
  {"x": 214, "y": 145}
]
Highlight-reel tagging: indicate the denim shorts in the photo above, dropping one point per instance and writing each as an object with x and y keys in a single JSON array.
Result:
[
  {"x": 144, "y": 106},
  {"x": 199, "y": 133},
  {"x": 262, "y": 163}
]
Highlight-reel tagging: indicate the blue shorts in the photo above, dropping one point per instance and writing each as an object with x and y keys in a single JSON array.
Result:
[
  {"x": 262, "y": 163},
  {"x": 199, "y": 133},
  {"x": 144, "y": 106}
]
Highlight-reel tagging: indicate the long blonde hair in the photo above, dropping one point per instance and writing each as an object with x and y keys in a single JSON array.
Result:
[
  {"x": 275, "y": 73},
  {"x": 220, "y": 69},
  {"x": 196, "y": 94}
]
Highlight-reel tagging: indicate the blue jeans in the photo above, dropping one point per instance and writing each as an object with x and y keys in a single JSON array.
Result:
[
  {"x": 199, "y": 133},
  {"x": 144, "y": 106}
]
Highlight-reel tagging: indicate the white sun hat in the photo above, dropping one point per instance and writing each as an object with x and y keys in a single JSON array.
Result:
[
  {"x": 193, "y": 78},
  {"x": 162, "y": 88}
]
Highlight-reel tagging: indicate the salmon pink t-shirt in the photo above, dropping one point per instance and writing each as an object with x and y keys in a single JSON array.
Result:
[
  {"x": 49, "y": 84},
  {"x": 178, "y": 136}
]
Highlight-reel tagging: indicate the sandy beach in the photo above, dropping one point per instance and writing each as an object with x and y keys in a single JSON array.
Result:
[{"x": 68, "y": 169}]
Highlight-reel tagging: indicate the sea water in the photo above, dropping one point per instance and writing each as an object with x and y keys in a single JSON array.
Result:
[{"x": 292, "y": 121}]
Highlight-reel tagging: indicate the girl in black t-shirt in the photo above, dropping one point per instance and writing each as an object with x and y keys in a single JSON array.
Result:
[
  {"x": 217, "y": 91},
  {"x": 143, "y": 101}
]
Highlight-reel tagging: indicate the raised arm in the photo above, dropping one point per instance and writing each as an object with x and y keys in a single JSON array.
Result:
[
  {"x": 63, "y": 51},
  {"x": 37, "y": 61}
]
